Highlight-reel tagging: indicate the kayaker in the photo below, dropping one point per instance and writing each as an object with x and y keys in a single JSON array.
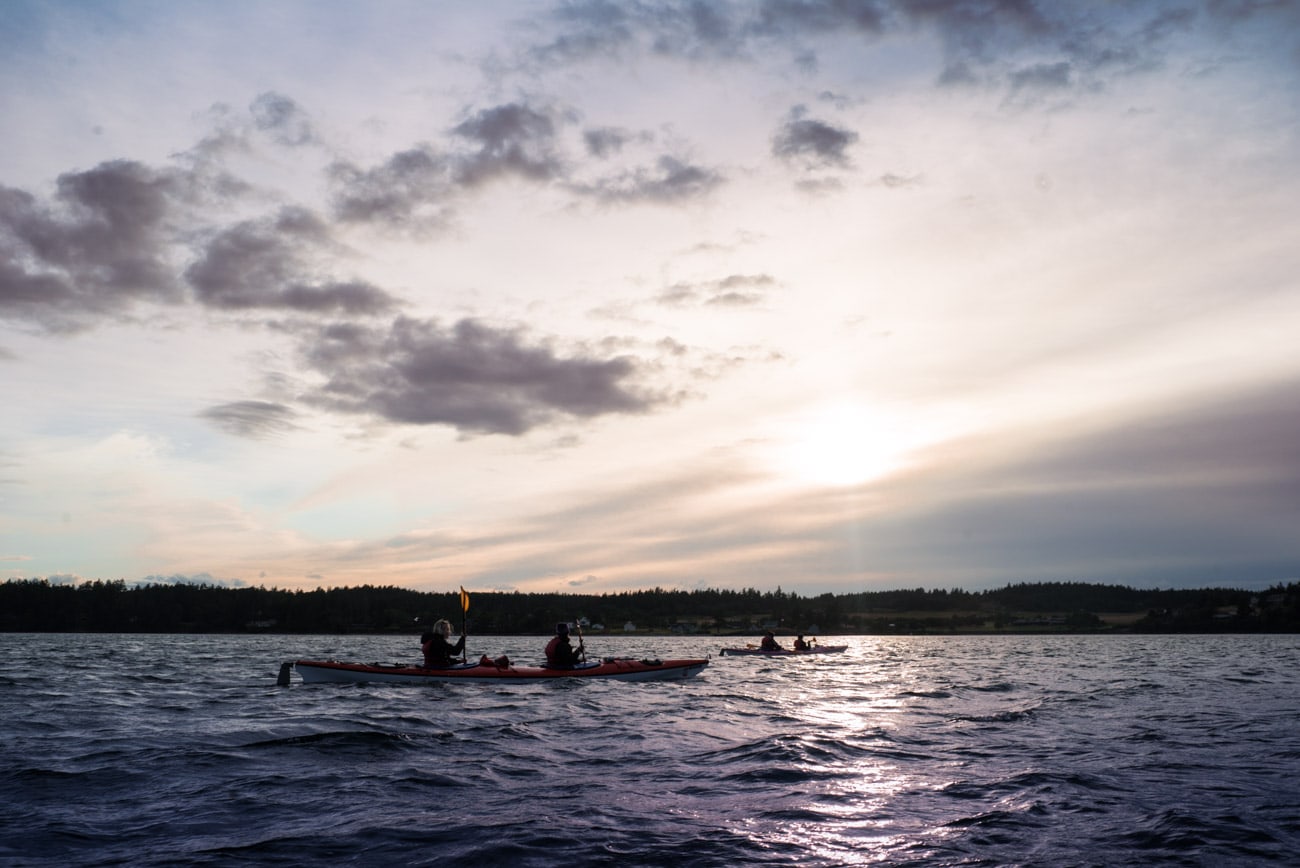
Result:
[
  {"x": 800, "y": 644},
  {"x": 559, "y": 652},
  {"x": 769, "y": 643},
  {"x": 437, "y": 647}
]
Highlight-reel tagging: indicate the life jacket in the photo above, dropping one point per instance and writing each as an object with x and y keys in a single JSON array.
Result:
[{"x": 438, "y": 651}]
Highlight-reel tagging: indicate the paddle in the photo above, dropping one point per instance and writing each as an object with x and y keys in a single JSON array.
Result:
[
  {"x": 582, "y": 648},
  {"x": 464, "y": 620}
]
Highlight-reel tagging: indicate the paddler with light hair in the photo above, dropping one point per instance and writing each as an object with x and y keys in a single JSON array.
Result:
[{"x": 437, "y": 646}]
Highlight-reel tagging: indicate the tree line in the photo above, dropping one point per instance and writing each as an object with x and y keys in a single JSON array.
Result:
[{"x": 35, "y": 605}]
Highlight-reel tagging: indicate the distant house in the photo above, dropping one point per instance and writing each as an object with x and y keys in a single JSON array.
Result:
[{"x": 629, "y": 627}]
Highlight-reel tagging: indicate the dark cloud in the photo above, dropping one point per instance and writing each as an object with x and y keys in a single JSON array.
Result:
[
  {"x": 595, "y": 28},
  {"x": 99, "y": 249},
  {"x": 414, "y": 184},
  {"x": 253, "y": 419},
  {"x": 418, "y": 188},
  {"x": 812, "y": 143},
  {"x": 783, "y": 17},
  {"x": 512, "y": 139},
  {"x": 283, "y": 119},
  {"x": 603, "y": 142},
  {"x": 985, "y": 42},
  {"x": 473, "y": 377},
  {"x": 260, "y": 265},
  {"x": 1042, "y": 77},
  {"x": 670, "y": 181},
  {"x": 601, "y": 28}
]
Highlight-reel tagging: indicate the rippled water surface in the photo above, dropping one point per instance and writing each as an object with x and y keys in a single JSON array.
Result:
[{"x": 181, "y": 750}]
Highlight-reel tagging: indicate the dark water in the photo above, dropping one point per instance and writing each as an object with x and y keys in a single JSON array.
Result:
[{"x": 180, "y": 750}]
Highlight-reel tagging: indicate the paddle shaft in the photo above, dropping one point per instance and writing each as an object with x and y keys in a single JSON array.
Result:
[{"x": 464, "y": 625}]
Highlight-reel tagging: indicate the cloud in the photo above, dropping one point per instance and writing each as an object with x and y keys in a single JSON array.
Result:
[
  {"x": 412, "y": 185},
  {"x": 253, "y": 419},
  {"x": 895, "y": 181},
  {"x": 423, "y": 183},
  {"x": 598, "y": 28},
  {"x": 1204, "y": 493},
  {"x": 1041, "y": 78},
  {"x": 736, "y": 290},
  {"x": 812, "y": 143},
  {"x": 283, "y": 119},
  {"x": 604, "y": 142},
  {"x": 422, "y": 186},
  {"x": 196, "y": 579},
  {"x": 98, "y": 250},
  {"x": 1007, "y": 44},
  {"x": 259, "y": 264},
  {"x": 670, "y": 181},
  {"x": 512, "y": 139},
  {"x": 473, "y": 377}
]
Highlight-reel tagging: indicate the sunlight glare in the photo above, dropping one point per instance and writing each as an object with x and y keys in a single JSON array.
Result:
[{"x": 846, "y": 444}]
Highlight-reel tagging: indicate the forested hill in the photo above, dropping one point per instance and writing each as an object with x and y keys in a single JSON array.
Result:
[{"x": 37, "y": 606}]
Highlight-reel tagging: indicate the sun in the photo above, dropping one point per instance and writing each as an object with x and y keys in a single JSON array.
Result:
[{"x": 845, "y": 444}]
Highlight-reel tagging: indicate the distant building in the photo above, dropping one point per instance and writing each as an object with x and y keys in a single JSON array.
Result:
[{"x": 629, "y": 627}]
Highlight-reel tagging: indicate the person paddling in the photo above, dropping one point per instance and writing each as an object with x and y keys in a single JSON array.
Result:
[
  {"x": 560, "y": 654},
  {"x": 769, "y": 643},
  {"x": 438, "y": 648}
]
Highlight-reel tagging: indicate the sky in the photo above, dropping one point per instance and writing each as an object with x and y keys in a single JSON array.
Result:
[{"x": 819, "y": 295}]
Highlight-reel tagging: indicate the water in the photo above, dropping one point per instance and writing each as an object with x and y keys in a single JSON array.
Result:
[{"x": 181, "y": 750}]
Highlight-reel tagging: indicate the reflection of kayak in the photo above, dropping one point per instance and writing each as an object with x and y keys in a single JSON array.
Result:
[
  {"x": 610, "y": 668},
  {"x": 782, "y": 652}
]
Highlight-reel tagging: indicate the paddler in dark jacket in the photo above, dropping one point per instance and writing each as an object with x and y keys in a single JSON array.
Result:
[
  {"x": 438, "y": 650},
  {"x": 769, "y": 643},
  {"x": 559, "y": 653}
]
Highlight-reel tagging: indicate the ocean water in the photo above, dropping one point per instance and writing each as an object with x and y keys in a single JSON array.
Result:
[{"x": 1088, "y": 750}]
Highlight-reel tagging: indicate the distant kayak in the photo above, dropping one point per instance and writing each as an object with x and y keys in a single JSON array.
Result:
[
  {"x": 754, "y": 650},
  {"x": 489, "y": 671}
]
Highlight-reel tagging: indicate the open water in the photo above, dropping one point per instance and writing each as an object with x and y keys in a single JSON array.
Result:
[{"x": 181, "y": 750}]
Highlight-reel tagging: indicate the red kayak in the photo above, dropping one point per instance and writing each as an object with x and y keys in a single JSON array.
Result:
[
  {"x": 782, "y": 652},
  {"x": 487, "y": 670}
]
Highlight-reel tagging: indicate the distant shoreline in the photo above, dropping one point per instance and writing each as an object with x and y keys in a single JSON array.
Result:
[{"x": 669, "y": 634}]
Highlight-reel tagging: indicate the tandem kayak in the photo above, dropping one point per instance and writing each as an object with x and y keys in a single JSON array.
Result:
[
  {"x": 782, "y": 652},
  {"x": 485, "y": 671}
]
